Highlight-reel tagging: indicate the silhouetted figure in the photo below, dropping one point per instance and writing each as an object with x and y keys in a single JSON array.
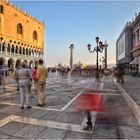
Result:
[
  {"x": 89, "y": 122},
  {"x": 119, "y": 74}
]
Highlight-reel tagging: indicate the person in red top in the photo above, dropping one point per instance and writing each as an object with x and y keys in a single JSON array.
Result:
[{"x": 34, "y": 75}]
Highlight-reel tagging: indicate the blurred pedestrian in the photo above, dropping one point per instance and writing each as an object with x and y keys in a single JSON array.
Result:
[
  {"x": 1, "y": 75},
  {"x": 34, "y": 74},
  {"x": 88, "y": 103},
  {"x": 42, "y": 74},
  {"x": 118, "y": 72},
  {"x": 24, "y": 75},
  {"x": 17, "y": 67}
]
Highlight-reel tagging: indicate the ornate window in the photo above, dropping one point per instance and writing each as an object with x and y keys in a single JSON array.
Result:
[
  {"x": 19, "y": 29},
  {"x": 34, "y": 35},
  {"x": 1, "y": 9}
]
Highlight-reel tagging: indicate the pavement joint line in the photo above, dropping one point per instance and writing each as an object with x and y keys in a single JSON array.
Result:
[
  {"x": 131, "y": 103},
  {"x": 7, "y": 85},
  {"x": 109, "y": 90},
  {"x": 71, "y": 101},
  {"x": 8, "y": 94},
  {"x": 34, "y": 107},
  {"x": 11, "y": 87},
  {"x": 107, "y": 94},
  {"x": 46, "y": 123},
  {"x": 7, "y": 120}
]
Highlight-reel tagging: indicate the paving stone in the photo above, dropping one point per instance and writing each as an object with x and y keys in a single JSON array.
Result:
[
  {"x": 126, "y": 119},
  {"x": 55, "y": 102},
  {"x": 129, "y": 132},
  {"x": 51, "y": 115},
  {"x": 77, "y": 135},
  {"x": 105, "y": 131},
  {"x": 52, "y": 133},
  {"x": 15, "y": 138},
  {"x": 2, "y": 116},
  {"x": 10, "y": 110},
  {"x": 71, "y": 117},
  {"x": 65, "y": 99},
  {"x": 12, "y": 127},
  {"x": 38, "y": 113},
  {"x": 3, "y": 106},
  {"x": 4, "y": 136},
  {"x": 26, "y": 112},
  {"x": 30, "y": 132}
]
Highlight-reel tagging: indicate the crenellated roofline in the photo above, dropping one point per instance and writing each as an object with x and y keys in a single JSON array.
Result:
[{"x": 22, "y": 11}]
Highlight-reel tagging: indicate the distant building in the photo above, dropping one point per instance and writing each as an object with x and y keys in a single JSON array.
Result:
[
  {"x": 136, "y": 40},
  {"x": 124, "y": 47},
  {"x": 21, "y": 35}
]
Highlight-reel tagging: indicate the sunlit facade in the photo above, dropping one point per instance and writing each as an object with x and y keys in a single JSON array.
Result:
[
  {"x": 136, "y": 40},
  {"x": 21, "y": 35}
]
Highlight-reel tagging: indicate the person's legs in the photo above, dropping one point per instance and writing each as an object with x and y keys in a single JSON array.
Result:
[
  {"x": 89, "y": 122},
  {"x": 22, "y": 96},
  {"x": 43, "y": 93},
  {"x": 122, "y": 79},
  {"x": 118, "y": 79},
  {"x": 36, "y": 87},
  {"x": 40, "y": 94},
  {"x": 27, "y": 95}
]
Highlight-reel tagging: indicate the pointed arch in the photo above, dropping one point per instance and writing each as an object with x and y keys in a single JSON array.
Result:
[
  {"x": 35, "y": 36},
  {"x": 19, "y": 29},
  {"x": 1, "y": 9}
]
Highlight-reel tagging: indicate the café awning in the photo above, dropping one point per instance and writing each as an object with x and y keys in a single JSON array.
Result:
[{"x": 135, "y": 61}]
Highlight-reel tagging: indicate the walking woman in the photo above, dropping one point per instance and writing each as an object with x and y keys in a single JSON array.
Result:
[{"x": 25, "y": 76}]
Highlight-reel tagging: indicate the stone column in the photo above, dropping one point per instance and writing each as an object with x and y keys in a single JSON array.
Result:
[
  {"x": 1, "y": 47},
  {"x": 106, "y": 45},
  {"x": 5, "y": 46},
  {"x": 71, "y": 55}
]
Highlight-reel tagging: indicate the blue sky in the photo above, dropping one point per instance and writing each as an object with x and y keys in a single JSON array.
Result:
[{"x": 79, "y": 22}]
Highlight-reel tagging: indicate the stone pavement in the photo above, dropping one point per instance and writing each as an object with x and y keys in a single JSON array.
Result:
[
  {"x": 132, "y": 87},
  {"x": 59, "y": 119},
  {"x": 131, "y": 91}
]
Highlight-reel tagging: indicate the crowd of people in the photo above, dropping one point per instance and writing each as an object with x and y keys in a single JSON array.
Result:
[
  {"x": 26, "y": 76},
  {"x": 75, "y": 71}
]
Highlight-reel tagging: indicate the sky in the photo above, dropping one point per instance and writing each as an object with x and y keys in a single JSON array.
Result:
[{"x": 78, "y": 23}]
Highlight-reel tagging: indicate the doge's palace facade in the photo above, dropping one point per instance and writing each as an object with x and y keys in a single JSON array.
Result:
[{"x": 21, "y": 35}]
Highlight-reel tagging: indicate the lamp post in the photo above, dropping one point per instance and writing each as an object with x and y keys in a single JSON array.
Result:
[
  {"x": 71, "y": 55},
  {"x": 99, "y": 48},
  {"x": 105, "y": 46}
]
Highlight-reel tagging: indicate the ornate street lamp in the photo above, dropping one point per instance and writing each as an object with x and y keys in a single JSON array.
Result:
[{"x": 99, "y": 48}]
